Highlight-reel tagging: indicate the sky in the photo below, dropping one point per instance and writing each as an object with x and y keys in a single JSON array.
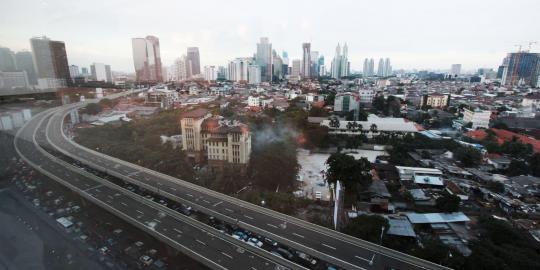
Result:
[{"x": 414, "y": 34}]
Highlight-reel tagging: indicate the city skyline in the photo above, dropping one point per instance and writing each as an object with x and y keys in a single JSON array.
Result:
[{"x": 428, "y": 37}]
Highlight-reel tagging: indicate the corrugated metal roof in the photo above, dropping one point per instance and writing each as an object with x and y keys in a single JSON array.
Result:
[{"x": 417, "y": 218}]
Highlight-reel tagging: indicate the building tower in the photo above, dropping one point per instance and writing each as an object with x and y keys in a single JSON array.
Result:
[
  {"x": 306, "y": 60},
  {"x": 147, "y": 59},
  {"x": 263, "y": 58},
  {"x": 193, "y": 62},
  {"x": 50, "y": 62}
]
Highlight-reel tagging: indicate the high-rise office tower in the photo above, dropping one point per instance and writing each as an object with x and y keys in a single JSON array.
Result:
[
  {"x": 340, "y": 66},
  {"x": 380, "y": 68},
  {"x": 387, "y": 67},
  {"x": 277, "y": 66},
  {"x": 365, "y": 69},
  {"x": 102, "y": 72},
  {"x": 306, "y": 60},
  {"x": 296, "y": 69},
  {"x": 24, "y": 61},
  {"x": 74, "y": 71},
  {"x": 147, "y": 59},
  {"x": 50, "y": 62},
  {"x": 263, "y": 58},
  {"x": 344, "y": 70},
  {"x": 455, "y": 70},
  {"x": 285, "y": 58},
  {"x": 371, "y": 67},
  {"x": 314, "y": 72},
  {"x": 521, "y": 68},
  {"x": 193, "y": 62},
  {"x": 254, "y": 74},
  {"x": 84, "y": 71},
  {"x": 7, "y": 60},
  {"x": 336, "y": 63}
]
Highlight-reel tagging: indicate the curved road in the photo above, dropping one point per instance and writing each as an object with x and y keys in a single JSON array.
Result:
[
  {"x": 202, "y": 242},
  {"x": 329, "y": 245}
]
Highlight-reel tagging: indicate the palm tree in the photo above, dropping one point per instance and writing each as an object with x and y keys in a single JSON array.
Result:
[
  {"x": 373, "y": 128},
  {"x": 334, "y": 122}
]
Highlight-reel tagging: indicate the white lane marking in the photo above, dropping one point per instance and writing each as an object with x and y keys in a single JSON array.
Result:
[
  {"x": 200, "y": 242},
  {"x": 225, "y": 254},
  {"x": 299, "y": 235},
  {"x": 177, "y": 230},
  {"x": 228, "y": 210},
  {"x": 206, "y": 201},
  {"x": 218, "y": 203},
  {"x": 140, "y": 212},
  {"x": 248, "y": 217},
  {"x": 271, "y": 225},
  {"x": 253, "y": 268},
  {"x": 110, "y": 197},
  {"x": 364, "y": 259},
  {"x": 123, "y": 203},
  {"x": 329, "y": 246},
  {"x": 171, "y": 188},
  {"x": 160, "y": 222},
  {"x": 189, "y": 195}
]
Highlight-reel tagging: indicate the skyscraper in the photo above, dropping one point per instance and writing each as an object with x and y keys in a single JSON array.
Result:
[
  {"x": 238, "y": 69},
  {"x": 7, "y": 60},
  {"x": 306, "y": 61},
  {"x": 263, "y": 58},
  {"x": 73, "y": 71},
  {"x": 336, "y": 64},
  {"x": 521, "y": 68},
  {"x": 24, "y": 62},
  {"x": 387, "y": 67},
  {"x": 147, "y": 59},
  {"x": 193, "y": 63},
  {"x": 101, "y": 72},
  {"x": 210, "y": 73},
  {"x": 365, "y": 70},
  {"x": 254, "y": 74},
  {"x": 178, "y": 70},
  {"x": 340, "y": 63},
  {"x": 380, "y": 68},
  {"x": 50, "y": 62},
  {"x": 296, "y": 69},
  {"x": 455, "y": 70},
  {"x": 277, "y": 66},
  {"x": 344, "y": 70},
  {"x": 314, "y": 72}
]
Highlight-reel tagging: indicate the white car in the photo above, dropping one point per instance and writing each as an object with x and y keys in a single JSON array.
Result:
[{"x": 255, "y": 242}]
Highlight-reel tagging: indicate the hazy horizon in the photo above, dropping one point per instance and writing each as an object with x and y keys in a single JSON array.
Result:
[{"x": 414, "y": 34}]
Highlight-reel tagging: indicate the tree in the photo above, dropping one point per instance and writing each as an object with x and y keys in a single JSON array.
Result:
[
  {"x": 534, "y": 163},
  {"x": 516, "y": 149},
  {"x": 354, "y": 174},
  {"x": 517, "y": 167},
  {"x": 274, "y": 165},
  {"x": 367, "y": 227},
  {"x": 334, "y": 122},
  {"x": 373, "y": 128},
  {"x": 448, "y": 202},
  {"x": 495, "y": 186},
  {"x": 93, "y": 108},
  {"x": 468, "y": 156},
  {"x": 317, "y": 112}
]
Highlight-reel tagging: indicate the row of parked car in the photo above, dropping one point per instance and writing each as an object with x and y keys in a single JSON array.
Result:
[{"x": 235, "y": 232}]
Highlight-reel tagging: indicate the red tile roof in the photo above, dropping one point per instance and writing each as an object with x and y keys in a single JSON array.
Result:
[{"x": 505, "y": 136}]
